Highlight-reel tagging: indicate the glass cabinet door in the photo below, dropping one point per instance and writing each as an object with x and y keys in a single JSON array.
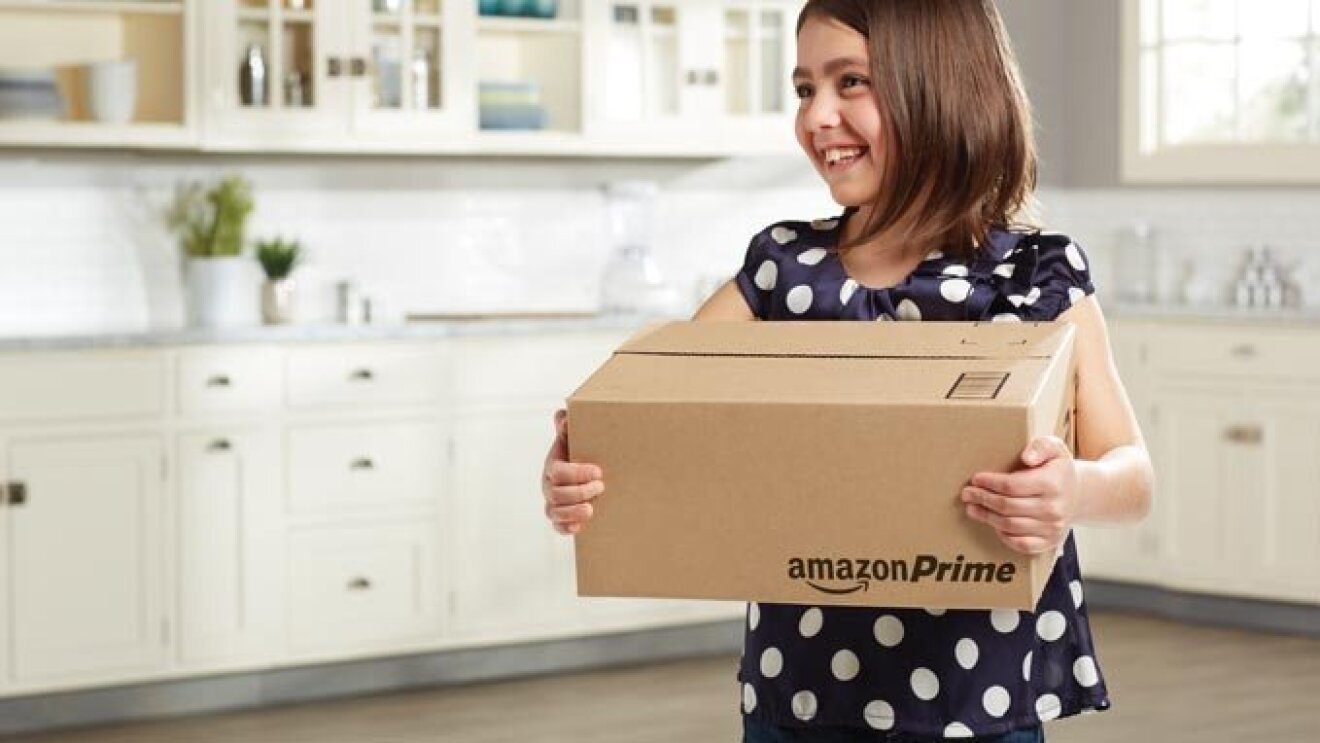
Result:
[
  {"x": 757, "y": 48},
  {"x": 643, "y": 71},
  {"x": 405, "y": 63},
  {"x": 275, "y": 55}
]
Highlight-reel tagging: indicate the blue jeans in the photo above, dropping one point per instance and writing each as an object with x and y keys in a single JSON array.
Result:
[{"x": 759, "y": 731}]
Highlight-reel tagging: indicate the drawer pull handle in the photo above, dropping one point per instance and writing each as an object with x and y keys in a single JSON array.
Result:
[
  {"x": 219, "y": 446},
  {"x": 359, "y": 584},
  {"x": 13, "y": 493},
  {"x": 1245, "y": 434},
  {"x": 1243, "y": 351},
  {"x": 362, "y": 463},
  {"x": 219, "y": 380},
  {"x": 362, "y": 375}
]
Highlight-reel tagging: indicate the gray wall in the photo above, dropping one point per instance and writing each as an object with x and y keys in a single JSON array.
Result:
[{"x": 1069, "y": 54}]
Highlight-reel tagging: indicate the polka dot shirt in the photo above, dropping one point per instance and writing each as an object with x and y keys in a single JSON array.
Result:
[{"x": 927, "y": 672}]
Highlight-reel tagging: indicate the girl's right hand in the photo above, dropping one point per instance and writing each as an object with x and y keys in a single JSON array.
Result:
[{"x": 568, "y": 487}]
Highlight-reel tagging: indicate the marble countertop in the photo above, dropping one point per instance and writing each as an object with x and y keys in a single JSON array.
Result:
[
  {"x": 434, "y": 329},
  {"x": 327, "y": 333},
  {"x": 1213, "y": 313}
]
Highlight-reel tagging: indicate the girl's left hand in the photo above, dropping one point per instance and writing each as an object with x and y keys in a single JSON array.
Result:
[{"x": 1031, "y": 509}]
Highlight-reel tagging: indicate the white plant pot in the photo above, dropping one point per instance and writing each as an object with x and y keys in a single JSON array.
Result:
[
  {"x": 222, "y": 292},
  {"x": 277, "y": 302}
]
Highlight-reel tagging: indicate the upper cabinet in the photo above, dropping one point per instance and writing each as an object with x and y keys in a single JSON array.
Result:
[
  {"x": 314, "y": 75},
  {"x": 1221, "y": 91},
  {"x": 108, "y": 73},
  {"x": 693, "y": 74},
  {"x": 506, "y": 77}
]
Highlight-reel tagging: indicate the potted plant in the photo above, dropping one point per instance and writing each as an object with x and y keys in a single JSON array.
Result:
[
  {"x": 210, "y": 224},
  {"x": 278, "y": 257}
]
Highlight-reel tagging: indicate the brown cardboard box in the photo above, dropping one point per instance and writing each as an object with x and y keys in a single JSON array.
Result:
[{"x": 814, "y": 462}]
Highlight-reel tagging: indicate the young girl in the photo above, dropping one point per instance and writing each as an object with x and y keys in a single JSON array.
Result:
[{"x": 914, "y": 115}]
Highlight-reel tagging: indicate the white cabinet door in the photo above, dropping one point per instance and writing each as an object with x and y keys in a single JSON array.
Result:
[
  {"x": 697, "y": 76},
  {"x": 229, "y": 571},
  {"x": 507, "y": 563},
  {"x": 417, "y": 83},
  {"x": 308, "y": 68},
  {"x": 84, "y": 557}
]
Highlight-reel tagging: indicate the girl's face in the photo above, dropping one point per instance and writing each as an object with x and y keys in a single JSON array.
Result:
[{"x": 838, "y": 120}]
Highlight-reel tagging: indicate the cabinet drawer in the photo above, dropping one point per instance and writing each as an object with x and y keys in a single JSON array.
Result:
[
  {"x": 364, "y": 375},
  {"x": 365, "y": 465},
  {"x": 229, "y": 380},
  {"x": 513, "y": 368},
  {"x": 361, "y": 587},
  {"x": 1240, "y": 351},
  {"x": 81, "y": 385}
]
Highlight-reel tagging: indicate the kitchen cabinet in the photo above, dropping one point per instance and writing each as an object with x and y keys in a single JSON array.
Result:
[
  {"x": 58, "y": 40},
  {"x": 693, "y": 73},
  {"x": 332, "y": 74},
  {"x": 229, "y": 574},
  {"x": 1231, "y": 418},
  {"x": 84, "y": 558}
]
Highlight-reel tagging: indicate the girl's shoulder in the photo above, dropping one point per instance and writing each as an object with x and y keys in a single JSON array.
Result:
[
  {"x": 796, "y": 235},
  {"x": 1038, "y": 273}
]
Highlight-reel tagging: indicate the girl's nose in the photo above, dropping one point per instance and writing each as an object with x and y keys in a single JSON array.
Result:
[{"x": 821, "y": 112}]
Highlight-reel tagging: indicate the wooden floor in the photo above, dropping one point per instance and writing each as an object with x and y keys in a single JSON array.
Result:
[{"x": 1170, "y": 682}]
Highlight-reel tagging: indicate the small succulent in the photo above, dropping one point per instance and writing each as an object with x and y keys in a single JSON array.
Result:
[{"x": 278, "y": 257}]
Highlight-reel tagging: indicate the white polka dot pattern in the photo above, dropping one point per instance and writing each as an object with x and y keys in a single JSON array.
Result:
[
  {"x": 772, "y": 662},
  {"x": 1051, "y": 625},
  {"x": 1075, "y": 588},
  {"x": 799, "y": 299},
  {"x": 1085, "y": 672},
  {"x": 1048, "y": 707},
  {"x": 753, "y": 615},
  {"x": 958, "y": 730},
  {"x": 879, "y": 714},
  {"x": 812, "y": 620},
  {"x": 888, "y": 631},
  {"x": 847, "y": 291},
  {"x": 1004, "y": 620},
  {"x": 908, "y": 311},
  {"x": 804, "y": 705},
  {"x": 749, "y": 698},
  {"x": 783, "y": 235},
  {"x": 845, "y": 666},
  {"x": 955, "y": 290},
  {"x": 996, "y": 701},
  {"x": 811, "y": 256},
  {"x": 767, "y": 276},
  {"x": 967, "y": 653},
  {"x": 925, "y": 684}
]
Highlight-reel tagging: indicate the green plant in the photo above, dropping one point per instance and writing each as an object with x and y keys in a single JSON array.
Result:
[
  {"x": 210, "y": 222},
  {"x": 278, "y": 257}
]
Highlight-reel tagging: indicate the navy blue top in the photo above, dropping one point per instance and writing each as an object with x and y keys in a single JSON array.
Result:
[{"x": 928, "y": 672}]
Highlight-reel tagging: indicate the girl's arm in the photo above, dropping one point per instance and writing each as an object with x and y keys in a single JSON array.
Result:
[
  {"x": 726, "y": 303},
  {"x": 1111, "y": 478}
]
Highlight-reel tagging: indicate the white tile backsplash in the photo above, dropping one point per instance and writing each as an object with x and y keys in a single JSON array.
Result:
[{"x": 82, "y": 249}]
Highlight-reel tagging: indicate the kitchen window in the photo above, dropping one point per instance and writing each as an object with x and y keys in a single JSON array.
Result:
[{"x": 1221, "y": 91}]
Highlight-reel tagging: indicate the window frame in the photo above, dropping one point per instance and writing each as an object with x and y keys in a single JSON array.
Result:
[{"x": 1262, "y": 164}]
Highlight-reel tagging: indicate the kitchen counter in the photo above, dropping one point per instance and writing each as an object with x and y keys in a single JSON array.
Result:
[
  {"x": 1198, "y": 313},
  {"x": 323, "y": 333}
]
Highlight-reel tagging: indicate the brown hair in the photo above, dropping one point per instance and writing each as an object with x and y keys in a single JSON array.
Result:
[{"x": 960, "y": 152}]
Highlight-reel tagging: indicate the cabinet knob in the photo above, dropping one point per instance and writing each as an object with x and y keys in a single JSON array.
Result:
[
  {"x": 15, "y": 494},
  {"x": 1243, "y": 351},
  {"x": 334, "y": 66},
  {"x": 1244, "y": 434},
  {"x": 362, "y": 463},
  {"x": 218, "y": 380},
  {"x": 359, "y": 584},
  {"x": 357, "y": 67},
  {"x": 362, "y": 375},
  {"x": 219, "y": 446}
]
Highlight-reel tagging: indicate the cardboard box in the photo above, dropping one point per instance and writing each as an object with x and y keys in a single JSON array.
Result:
[{"x": 814, "y": 462}]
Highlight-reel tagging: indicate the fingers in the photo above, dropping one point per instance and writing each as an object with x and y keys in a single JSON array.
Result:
[
  {"x": 568, "y": 495},
  {"x": 1044, "y": 448},
  {"x": 1021, "y": 484}
]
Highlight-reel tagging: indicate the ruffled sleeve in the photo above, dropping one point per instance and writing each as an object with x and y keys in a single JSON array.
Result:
[
  {"x": 1041, "y": 278},
  {"x": 759, "y": 274}
]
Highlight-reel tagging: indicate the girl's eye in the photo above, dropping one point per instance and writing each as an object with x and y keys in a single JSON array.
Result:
[
  {"x": 848, "y": 81},
  {"x": 803, "y": 91}
]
